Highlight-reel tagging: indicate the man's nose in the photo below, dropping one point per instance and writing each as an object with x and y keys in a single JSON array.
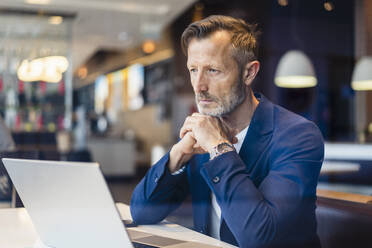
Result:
[{"x": 200, "y": 83}]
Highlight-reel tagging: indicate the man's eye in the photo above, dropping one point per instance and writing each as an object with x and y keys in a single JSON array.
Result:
[
  {"x": 212, "y": 70},
  {"x": 192, "y": 70}
]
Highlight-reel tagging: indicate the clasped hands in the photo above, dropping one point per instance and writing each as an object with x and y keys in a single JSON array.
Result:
[{"x": 199, "y": 134}]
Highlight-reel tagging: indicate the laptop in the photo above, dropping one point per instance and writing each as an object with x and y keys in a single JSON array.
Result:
[{"x": 70, "y": 206}]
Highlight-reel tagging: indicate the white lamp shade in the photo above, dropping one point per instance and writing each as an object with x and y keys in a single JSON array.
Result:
[
  {"x": 362, "y": 75},
  {"x": 295, "y": 70}
]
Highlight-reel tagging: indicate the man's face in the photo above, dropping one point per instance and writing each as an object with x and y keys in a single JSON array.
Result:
[{"x": 215, "y": 75}]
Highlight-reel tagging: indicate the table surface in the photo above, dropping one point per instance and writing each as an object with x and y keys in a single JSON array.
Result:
[{"x": 17, "y": 231}]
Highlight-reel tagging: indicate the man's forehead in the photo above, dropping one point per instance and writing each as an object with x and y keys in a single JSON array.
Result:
[
  {"x": 218, "y": 42},
  {"x": 219, "y": 36}
]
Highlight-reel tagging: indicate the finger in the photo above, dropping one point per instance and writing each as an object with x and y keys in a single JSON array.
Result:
[
  {"x": 184, "y": 130},
  {"x": 188, "y": 143},
  {"x": 197, "y": 148},
  {"x": 191, "y": 146},
  {"x": 187, "y": 126}
]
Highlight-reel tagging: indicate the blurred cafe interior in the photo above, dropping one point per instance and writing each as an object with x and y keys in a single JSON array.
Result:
[{"x": 106, "y": 81}]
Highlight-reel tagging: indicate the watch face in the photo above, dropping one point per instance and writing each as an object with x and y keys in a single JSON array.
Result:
[
  {"x": 223, "y": 147},
  {"x": 220, "y": 149}
]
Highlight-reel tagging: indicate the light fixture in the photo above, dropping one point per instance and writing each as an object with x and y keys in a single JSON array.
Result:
[
  {"x": 329, "y": 6},
  {"x": 55, "y": 20},
  {"x": 83, "y": 72},
  {"x": 48, "y": 69},
  {"x": 362, "y": 75},
  {"x": 295, "y": 70},
  {"x": 148, "y": 46},
  {"x": 283, "y": 2},
  {"x": 38, "y": 2}
]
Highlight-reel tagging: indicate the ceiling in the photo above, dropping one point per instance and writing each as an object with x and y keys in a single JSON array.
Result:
[{"x": 107, "y": 24}]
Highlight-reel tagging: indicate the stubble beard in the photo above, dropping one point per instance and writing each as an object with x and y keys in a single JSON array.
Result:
[{"x": 227, "y": 104}]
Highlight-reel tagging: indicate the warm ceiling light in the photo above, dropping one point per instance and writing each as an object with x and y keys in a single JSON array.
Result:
[
  {"x": 329, "y": 6},
  {"x": 148, "y": 46},
  {"x": 295, "y": 70},
  {"x": 51, "y": 76},
  {"x": 83, "y": 72},
  {"x": 55, "y": 20},
  {"x": 362, "y": 75},
  {"x": 38, "y": 2},
  {"x": 283, "y": 2},
  {"x": 48, "y": 69}
]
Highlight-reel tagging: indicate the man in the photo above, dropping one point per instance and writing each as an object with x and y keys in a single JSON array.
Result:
[{"x": 250, "y": 166}]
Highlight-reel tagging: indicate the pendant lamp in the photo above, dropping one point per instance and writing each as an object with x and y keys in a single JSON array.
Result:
[
  {"x": 295, "y": 70},
  {"x": 362, "y": 75}
]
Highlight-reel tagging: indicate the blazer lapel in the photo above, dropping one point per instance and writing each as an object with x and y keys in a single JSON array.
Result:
[{"x": 259, "y": 132}]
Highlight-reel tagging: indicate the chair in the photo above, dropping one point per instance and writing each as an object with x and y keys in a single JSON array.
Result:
[{"x": 344, "y": 223}]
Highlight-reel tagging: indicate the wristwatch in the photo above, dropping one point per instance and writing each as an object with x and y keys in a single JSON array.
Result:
[{"x": 220, "y": 149}]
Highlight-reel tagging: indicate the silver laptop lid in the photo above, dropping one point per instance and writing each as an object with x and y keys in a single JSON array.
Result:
[{"x": 69, "y": 203}]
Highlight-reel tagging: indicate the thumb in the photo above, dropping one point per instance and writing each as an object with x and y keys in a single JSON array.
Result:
[{"x": 187, "y": 142}]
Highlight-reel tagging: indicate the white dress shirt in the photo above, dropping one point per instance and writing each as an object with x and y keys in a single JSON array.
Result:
[{"x": 216, "y": 210}]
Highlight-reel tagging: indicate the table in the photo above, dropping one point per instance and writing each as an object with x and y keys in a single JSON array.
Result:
[
  {"x": 17, "y": 231},
  {"x": 332, "y": 167}
]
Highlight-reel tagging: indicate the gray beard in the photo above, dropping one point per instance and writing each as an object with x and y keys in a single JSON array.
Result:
[{"x": 235, "y": 98}]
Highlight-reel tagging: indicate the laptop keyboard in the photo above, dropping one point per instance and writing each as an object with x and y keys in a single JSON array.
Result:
[
  {"x": 145, "y": 240},
  {"x": 139, "y": 245}
]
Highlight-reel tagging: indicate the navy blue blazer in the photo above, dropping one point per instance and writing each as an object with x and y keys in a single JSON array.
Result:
[{"x": 267, "y": 192}]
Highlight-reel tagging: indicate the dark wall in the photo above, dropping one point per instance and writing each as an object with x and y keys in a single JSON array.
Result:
[{"x": 328, "y": 39}]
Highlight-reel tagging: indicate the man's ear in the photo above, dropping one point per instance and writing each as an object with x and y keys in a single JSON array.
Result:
[{"x": 250, "y": 71}]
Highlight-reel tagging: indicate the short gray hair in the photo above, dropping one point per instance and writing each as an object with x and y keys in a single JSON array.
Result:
[{"x": 244, "y": 36}]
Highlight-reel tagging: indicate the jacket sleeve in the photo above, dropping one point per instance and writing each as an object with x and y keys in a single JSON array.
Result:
[
  {"x": 158, "y": 193},
  {"x": 261, "y": 216}
]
